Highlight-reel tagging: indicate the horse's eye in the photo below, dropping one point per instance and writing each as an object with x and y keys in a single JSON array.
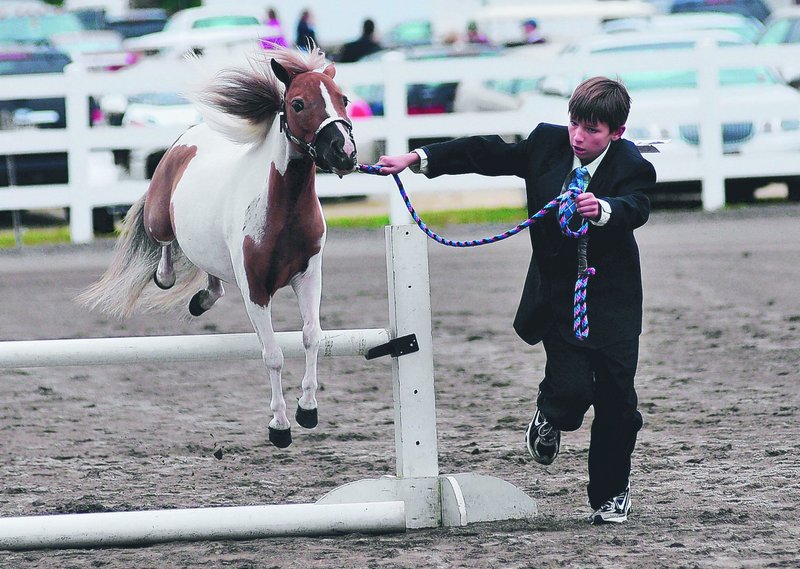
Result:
[
  {"x": 345, "y": 100},
  {"x": 297, "y": 106}
]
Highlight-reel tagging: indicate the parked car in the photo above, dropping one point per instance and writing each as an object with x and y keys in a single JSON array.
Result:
[
  {"x": 41, "y": 113},
  {"x": 198, "y": 30},
  {"x": 757, "y": 9},
  {"x": 135, "y": 23},
  {"x": 94, "y": 49},
  {"x": 562, "y": 21},
  {"x": 447, "y": 96},
  {"x": 152, "y": 109},
  {"x": 783, "y": 27},
  {"x": 746, "y": 26},
  {"x": 130, "y": 24},
  {"x": 38, "y": 168},
  {"x": 743, "y": 88}
]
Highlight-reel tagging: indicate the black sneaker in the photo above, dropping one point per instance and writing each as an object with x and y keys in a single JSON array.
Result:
[
  {"x": 614, "y": 510},
  {"x": 542, "y": 439}
]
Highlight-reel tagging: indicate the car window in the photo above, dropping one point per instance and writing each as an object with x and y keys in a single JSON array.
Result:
[
  {"x": 645, "y": 47},
  {"x": 687, "y": 79},
  {"x": 776, "y": 33},
  {"x": 225, "y": 21},
  {"x": 38, "y": 28}
]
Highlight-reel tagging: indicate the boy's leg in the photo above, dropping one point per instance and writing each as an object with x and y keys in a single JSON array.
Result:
[
  {"x": 616, "y": 421},
  {"x": 566, "y": 391}
]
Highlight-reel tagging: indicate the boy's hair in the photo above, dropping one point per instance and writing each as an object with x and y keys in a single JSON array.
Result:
[{"x": 600, "y": 99}]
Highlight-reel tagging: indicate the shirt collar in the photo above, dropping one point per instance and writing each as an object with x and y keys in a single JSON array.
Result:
[{"x": 593, "y": 165}]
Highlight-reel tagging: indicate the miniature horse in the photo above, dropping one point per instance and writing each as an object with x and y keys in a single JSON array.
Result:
[{"x": 234, "y": 198}]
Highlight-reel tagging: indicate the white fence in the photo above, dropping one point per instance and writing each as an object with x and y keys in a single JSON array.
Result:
[{"x": 87, "y": 188}]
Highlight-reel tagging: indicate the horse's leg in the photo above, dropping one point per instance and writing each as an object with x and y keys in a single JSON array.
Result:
[
  {"x": 280, "y": 433},
  {"x": 205, "y": 299},
  {"x": 308, "y": 288},
  {"x": 164, "y": 276}
]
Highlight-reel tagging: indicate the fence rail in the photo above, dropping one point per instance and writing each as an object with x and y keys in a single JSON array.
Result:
[{"x": 94, "y": 182}]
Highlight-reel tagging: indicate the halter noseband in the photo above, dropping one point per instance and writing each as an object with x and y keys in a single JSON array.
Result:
[{"x": 311, "y": 149}]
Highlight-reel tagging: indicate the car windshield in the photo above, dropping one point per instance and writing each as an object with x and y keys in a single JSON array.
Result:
[
  {"x": 38, "y": 28},
  {"x": 225, "y": 22},
  {"x": 782, "y": 31},
  {"x": 687, "y": 79}
]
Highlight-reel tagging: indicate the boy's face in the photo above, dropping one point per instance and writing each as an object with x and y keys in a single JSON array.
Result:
[{"x": 589, "y": 140}]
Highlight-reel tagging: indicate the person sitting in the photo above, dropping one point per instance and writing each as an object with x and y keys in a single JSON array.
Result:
[
  {"x": 363, "y": 46},
  {"x": 532, "y": 33},
  {"x": 474, "y": 35}
]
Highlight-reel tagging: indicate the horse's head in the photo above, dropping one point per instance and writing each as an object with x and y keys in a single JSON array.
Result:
[{"x": 314, "y": 118}]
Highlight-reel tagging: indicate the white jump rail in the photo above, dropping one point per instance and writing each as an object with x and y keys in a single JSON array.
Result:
[
  {"x": 418, "y": 495},
  {"x": 114, "y": 529},
  {"x": 87, "y": 189}
]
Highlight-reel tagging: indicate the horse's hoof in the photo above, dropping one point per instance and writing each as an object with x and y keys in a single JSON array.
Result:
[
  {"x": 281, "y": 438},
  {"x": 159, "y": 284},
  {"x": 195, "y": 308},
  {"x": 306, "y": 417}
]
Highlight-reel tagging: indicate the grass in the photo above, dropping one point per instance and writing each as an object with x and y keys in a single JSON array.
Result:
[
  {"x": 59, "y": 234},
  {"x": 511, "y": 215},
  {"x": 35, "y": 236}
]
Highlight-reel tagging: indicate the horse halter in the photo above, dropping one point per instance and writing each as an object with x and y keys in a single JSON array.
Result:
[{"x": 311, "y": 149}]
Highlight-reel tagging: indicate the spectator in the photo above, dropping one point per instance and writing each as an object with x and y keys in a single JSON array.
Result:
[
  {"x": 363, "y": 46},
  {"x": 306, "y": 36},
  {"x": 275, "y": 34},
  {"x": 474, "y": 35},
  {"x": 532, "y": 33}
]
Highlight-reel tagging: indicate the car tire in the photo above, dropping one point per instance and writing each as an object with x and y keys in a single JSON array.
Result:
[
  {"x": 793, "y": 187},
  {"x": 102, "y": 220}
]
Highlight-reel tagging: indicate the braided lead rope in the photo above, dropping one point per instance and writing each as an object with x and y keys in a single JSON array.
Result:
[
  {"x": 566, "y": 209},
  {"x": 564, "y": 201},
  {"x": 580, "y": 323}
]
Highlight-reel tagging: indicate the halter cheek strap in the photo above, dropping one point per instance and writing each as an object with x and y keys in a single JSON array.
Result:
[{"x": 311, "y": 149}]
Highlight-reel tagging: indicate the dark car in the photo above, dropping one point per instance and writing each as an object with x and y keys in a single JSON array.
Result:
[
  {"x": 131, "y": 24},
  {"x": 32, "y": 169},
  {"x": 41, "y": 113},
  {"x": 757, "y": 9}
]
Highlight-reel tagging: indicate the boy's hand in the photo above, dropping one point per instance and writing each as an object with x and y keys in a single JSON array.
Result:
[
  {"x": 588, "y": 206},
  {"x": 396, "y": 164}
]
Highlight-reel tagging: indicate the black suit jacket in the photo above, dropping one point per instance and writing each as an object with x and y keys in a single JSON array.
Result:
[{"x": 543, "y": 160}]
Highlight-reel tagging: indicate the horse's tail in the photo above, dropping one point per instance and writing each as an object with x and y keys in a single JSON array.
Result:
[{"x": 123, "y": 289}]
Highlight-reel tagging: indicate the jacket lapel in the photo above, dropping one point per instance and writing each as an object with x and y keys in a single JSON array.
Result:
[
  {"x": 554, "y": 174},
  {"x": 597, "y": 185}
]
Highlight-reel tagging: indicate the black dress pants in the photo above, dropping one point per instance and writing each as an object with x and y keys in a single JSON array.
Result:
[{"x": 576, "y": 378}]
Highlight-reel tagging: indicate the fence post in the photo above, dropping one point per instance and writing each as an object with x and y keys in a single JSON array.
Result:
[
  {"x": 77, "y": 80},
  {"x": 711, "y": 145},
  {"x": 394, "y": 109}
]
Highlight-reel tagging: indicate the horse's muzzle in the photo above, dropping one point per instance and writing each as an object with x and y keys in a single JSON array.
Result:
[{"x": 336, "y": 149}]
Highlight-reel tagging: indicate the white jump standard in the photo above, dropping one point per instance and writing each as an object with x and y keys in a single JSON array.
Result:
[{"x": 418, "y": 494}]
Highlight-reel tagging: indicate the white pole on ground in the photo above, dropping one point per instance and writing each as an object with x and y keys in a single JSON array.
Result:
[
  {"x": 157, "y": 526},
  {"x": 203, "y": 347}
]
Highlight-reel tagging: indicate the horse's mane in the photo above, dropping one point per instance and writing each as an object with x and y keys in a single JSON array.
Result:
[{"x": 241, "y": 103}]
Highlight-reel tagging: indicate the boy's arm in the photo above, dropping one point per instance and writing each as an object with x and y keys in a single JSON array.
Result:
[
  {"x": 485, "y": 155},
  {"x": 630, "y": 207}
]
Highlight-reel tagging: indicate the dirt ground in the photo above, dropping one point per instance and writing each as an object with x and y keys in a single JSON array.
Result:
[{"x": 716, "y": 479}]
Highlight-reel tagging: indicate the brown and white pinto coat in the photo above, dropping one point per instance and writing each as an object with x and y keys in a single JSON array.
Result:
[{"x": 236, "y": 197}]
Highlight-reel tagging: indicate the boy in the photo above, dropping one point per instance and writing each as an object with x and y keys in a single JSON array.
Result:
[{"x": 598, "y": 370}]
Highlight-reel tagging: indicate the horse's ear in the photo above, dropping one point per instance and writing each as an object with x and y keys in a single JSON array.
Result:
[
  {"x": 330, "y": 71},
  {"x": 280, "y": 72}
]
